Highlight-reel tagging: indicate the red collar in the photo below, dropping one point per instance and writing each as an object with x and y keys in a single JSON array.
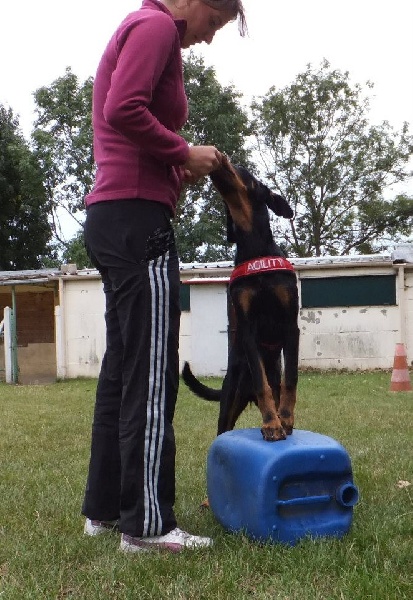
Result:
[{"x": 261, "y": 265}]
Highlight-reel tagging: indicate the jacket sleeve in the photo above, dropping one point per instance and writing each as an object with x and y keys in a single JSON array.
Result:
[{"x": 144, "y": 50}]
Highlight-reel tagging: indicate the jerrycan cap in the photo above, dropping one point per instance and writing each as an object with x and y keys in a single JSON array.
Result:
[{"x": 347, "y": 495}]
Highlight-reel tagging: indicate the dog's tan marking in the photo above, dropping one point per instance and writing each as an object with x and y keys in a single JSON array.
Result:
[
  {"x": 240, "y": 210},
  {"x": 234, "y": 193},
  {"x": 283, "y": 295},
  {"x": 245, "y": 298}
]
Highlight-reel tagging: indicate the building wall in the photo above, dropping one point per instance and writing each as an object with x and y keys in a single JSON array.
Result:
[
  {"x": 81, "y": 326},
  {"x": 345, "y": 337},
  {"x": 357, "y": 337},
  {"x": 36, "y": 350},
  {"x": 2, "y": 358},
  {"x": 185, "y": 346},
  {"x": 407, "y": 323},
  {"x": 37, "y": 363},
  {"x": 209, "y": 329},
  {"x": 354, "y": 337},
  {"x": 348, "y": 338},
  {"x": 80, "y": 322}
]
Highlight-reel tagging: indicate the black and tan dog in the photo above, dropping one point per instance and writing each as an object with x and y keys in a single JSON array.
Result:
[{"x": 263, "y": 291}]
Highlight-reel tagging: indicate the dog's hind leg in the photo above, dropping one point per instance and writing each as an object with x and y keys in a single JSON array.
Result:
[
  {"x": 229, "y": 414},
  {"x": 233, "y": 401}
]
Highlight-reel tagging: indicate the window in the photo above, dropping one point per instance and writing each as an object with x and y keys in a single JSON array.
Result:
[
  {"x": 185, "y": 296},
  {"x": 368, "y": 290}
]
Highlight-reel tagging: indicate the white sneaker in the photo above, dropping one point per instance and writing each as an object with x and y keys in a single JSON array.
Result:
[
  {"x": 174, "y": 541},
  {"x": 94, "y": 527}
]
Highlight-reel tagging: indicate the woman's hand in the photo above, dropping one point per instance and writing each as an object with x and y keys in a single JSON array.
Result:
[{"x": 201, "y": 161}]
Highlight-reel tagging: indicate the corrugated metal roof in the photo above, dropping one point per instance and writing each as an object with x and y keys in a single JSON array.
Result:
[
  {"x": 45, "y": 275},
  {"x": 314, "y": 260},
  {"x": 206, "y": 280},
  {"x": 27, "y": 276},
  {"x": 339, "y": 260},
  {"x": 40, "y": 276},
  {"x": 223, "y": 264}
]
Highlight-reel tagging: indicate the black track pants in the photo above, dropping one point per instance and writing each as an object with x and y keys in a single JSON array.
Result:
[{"x": 132, "y": 464}]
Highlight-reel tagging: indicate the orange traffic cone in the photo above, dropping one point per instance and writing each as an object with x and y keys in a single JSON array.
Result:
[{"x": 400, "y": 379}]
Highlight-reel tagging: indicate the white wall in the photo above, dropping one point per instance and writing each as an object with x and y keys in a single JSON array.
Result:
[
  {"x": 81, "y": 326},
  {"x": 209, "y": 329},
  {"x": 82, "y": 313},
  {"x": 185, "y": 346},
  {"x": 348, "y": 338},
  {"x": 359, "y": 337},
  {"x": 407, "y": 324}
]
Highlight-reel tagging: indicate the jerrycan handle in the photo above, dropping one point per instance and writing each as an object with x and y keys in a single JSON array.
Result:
[
  {"x": 305, "y": 500},
  {"x": 347, "y": 495}
]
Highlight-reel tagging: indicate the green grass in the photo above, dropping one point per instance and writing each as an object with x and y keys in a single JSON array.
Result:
[{"x": 44, "y": 450}]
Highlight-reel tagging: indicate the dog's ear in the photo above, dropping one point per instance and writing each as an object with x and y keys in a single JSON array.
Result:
[
  {"x": 279, "y": 205},
  {"x": 230, "y": 228}
]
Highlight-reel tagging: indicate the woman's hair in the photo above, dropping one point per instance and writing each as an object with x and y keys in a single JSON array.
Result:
[{"x": 235, "y": 8}]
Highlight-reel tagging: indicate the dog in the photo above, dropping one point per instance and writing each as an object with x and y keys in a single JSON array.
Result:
[{"x": 264, "y": 294}]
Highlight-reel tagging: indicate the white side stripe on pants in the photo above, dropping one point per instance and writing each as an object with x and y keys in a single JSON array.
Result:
[{"x": 154, "y": 432}]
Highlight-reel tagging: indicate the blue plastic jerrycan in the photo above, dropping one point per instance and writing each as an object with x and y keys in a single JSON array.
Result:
[{"x": 281, "y": 491}]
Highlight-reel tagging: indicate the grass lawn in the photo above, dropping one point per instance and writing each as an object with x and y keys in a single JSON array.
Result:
[{"x": 44, "y": 451}]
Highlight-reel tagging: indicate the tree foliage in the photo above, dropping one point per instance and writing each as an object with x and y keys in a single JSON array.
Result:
[
  {"x": 317, "y": 149},
  {"x": 215, "y": 118},
  {"x": 62, "y": 138},
  {"x": 25, "y": 231},
  {"x": 63, "y": 141},
  {"x": 313, "y": 142},
  {"x": 75, "y": 252}
]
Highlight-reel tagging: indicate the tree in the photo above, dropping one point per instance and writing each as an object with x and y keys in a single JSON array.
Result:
[
  {"x": 25, "y": 231},
  {"x": 62, "y": 139},
  {"x": 215, "y": 118},
  {"x": 318, "y": 150},
  {"x": 75, "y": 252}
]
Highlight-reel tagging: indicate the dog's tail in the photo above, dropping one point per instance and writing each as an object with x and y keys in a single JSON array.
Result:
[{"x": 197, "y": 387}]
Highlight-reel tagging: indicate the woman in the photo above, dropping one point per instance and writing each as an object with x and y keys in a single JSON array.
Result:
[{"x": 139, "y": 104}]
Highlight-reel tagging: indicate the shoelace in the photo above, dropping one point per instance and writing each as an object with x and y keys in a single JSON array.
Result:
[{"x": 180, "y": 532}]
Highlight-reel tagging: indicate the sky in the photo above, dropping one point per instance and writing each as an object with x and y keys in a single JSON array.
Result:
[{"x": 371, "y": 40}]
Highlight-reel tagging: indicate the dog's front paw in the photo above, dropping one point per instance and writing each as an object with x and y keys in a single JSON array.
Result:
[
  {"x": 287, "y": 421},
  {"x": 273, "y": 434}
]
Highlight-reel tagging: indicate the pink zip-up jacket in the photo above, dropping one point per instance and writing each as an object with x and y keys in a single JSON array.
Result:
[{"x": 139, "y": 104}]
